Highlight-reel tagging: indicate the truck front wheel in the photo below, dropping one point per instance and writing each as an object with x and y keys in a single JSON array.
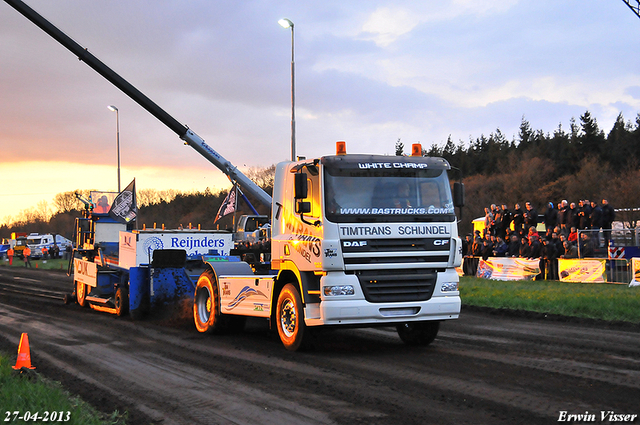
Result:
[
  {"x": 122, "y": 301},
  {"x": 292, "y": 330},
  {"x": 206, "y": 304},
  {"x": 418, "y": 333},
  {"x": 81, "y": 294}
]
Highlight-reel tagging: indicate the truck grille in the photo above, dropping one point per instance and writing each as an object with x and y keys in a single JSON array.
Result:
[
  {"x": 396, "y": 260},
  {"x": 397, "y": 285},
  {"x": 396, "y": 251}
]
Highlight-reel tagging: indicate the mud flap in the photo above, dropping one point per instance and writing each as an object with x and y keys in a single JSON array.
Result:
[
  {"x": 170, "y": 285},
  {"x": 138, "y": 289}
]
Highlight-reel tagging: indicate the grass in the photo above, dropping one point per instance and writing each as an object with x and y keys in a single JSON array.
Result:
[
  {"x": 587, "y": 300},
  {"x": 57, "y": 264},
  {"x": 30, "y": 392}
]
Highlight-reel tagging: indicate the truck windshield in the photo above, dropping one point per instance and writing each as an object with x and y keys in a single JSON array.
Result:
[{"x": 403, "y": 194}]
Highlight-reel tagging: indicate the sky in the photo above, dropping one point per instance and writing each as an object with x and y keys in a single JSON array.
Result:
[{"x": 368, "y": 72}]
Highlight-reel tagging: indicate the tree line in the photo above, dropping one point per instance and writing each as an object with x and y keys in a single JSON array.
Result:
[
  {"x": 582, "y": 162},
  {"x": 156, "y": 208},
  {"x": 536, "y": 166}
]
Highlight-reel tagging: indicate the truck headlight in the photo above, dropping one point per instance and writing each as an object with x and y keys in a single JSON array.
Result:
[
  {"x": 332, "y": 291},
  {"x": 449, "y": 286}
]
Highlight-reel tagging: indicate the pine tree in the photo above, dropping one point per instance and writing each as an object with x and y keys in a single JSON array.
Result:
[{"x": 399, "y": 148}]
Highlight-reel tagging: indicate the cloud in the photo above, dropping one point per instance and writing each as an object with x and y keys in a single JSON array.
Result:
[
  {"x": 366, "y": 72},
  {"x": 388, "y": 23}
]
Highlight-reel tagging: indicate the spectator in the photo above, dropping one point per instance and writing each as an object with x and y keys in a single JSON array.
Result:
[
  {"x": 530, "y": 216},
  {"x": 562, "y": 238},
  {"x": 26, "y": 256},
  {"x": 467, "y": 244},
  {"x": 535, "y": 249},
  {"x": 585, "y": 215},
  {"x": 608, "y": 215},
  {"x": 549, "y": 260},
  {"x": 507, "y": 218},
  {"x": 572, "y": 216},
  {"x": 508, "y": 234},
  {"x": 586, "y": 246},
  {"x": 500, "y": 249},
  {"x": 477, "y": 247},
  {"x": 570, "y": 250},
  {"x": 566, "y": 220},
  {"x": 563, "y": 209},
  {"x": 514, "y": 246},
  {"x": 497, "y": 222},
  {"x": 573, "y": 236},
  {"x": 587, "y": 208},
  {"x": 558, "y": 231},
  {"x": 488, "y": 221},
  {"x": 550, "y": 217},
  {"x": 525, "y": 250},
  {"x": 596, "y": 216},
  {"x": 518, "y": 219},
  {"x": 558, "y": 242},
  {"x": 596, "y": 222},
  {"x": 487, "y": 249}
]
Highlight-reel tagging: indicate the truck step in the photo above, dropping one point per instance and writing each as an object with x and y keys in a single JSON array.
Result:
[
  {"x": 103, "y": 308},
  {"x": 98, "y": 300}
]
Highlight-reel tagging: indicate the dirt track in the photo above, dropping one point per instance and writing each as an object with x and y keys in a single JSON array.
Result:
[{"x": 482, "y": 369}]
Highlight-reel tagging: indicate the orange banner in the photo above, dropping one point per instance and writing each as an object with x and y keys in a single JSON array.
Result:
[
  {"x": 508, "y": 268},
  {"x": 571, "y": 270}
]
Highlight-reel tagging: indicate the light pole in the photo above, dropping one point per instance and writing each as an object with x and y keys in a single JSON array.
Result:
[
  {"x": 286, "y": 23},
  {"x": 114, "y": 109}
]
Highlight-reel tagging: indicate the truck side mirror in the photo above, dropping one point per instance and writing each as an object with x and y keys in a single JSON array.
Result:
[
  {"x": 303, "y": 207},
  {"x": 458, "y": 194},
  {"x": 300, "y": 187}
]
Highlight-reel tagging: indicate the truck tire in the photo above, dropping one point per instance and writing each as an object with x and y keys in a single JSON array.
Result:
[
  {"x": 81, "y": 294},
  {"x": 206, "y": 305},
  {"x": 292, "y": 330},
  {"x": 418, "y": 333},
  {"x": 121, "y": 301}
]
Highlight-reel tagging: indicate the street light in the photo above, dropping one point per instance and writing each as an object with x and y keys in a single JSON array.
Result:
[
  {"x": 286, "y": 23},
  {"x": 114, "y": 109}
]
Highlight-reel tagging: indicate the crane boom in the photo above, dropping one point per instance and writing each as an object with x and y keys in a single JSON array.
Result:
[
  {"x": 191, "y": 138},
  {"x": 633, "y": 5}
]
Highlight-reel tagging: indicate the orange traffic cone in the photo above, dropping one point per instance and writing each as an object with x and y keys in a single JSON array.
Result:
[{"x": 24, "y": 355}]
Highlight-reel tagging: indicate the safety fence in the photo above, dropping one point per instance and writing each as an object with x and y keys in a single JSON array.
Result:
[{"x": 596, "y": 270}]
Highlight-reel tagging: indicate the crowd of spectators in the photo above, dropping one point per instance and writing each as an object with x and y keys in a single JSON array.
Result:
[{"x": 513, "y": 233}]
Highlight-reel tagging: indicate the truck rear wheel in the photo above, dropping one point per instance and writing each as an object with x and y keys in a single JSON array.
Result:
[
  {"x": 81, "y": 294},
  {"x": 122, "y": 301},
  {"x": 418, "y": 333},
  {"x": 206, "y": 304},
  {"x": 290, "y": 320}
]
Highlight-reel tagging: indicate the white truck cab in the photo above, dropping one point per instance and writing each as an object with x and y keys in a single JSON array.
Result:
[
  {"x": 357, "y": 240},
  {"x": 37, "y": 242}
]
